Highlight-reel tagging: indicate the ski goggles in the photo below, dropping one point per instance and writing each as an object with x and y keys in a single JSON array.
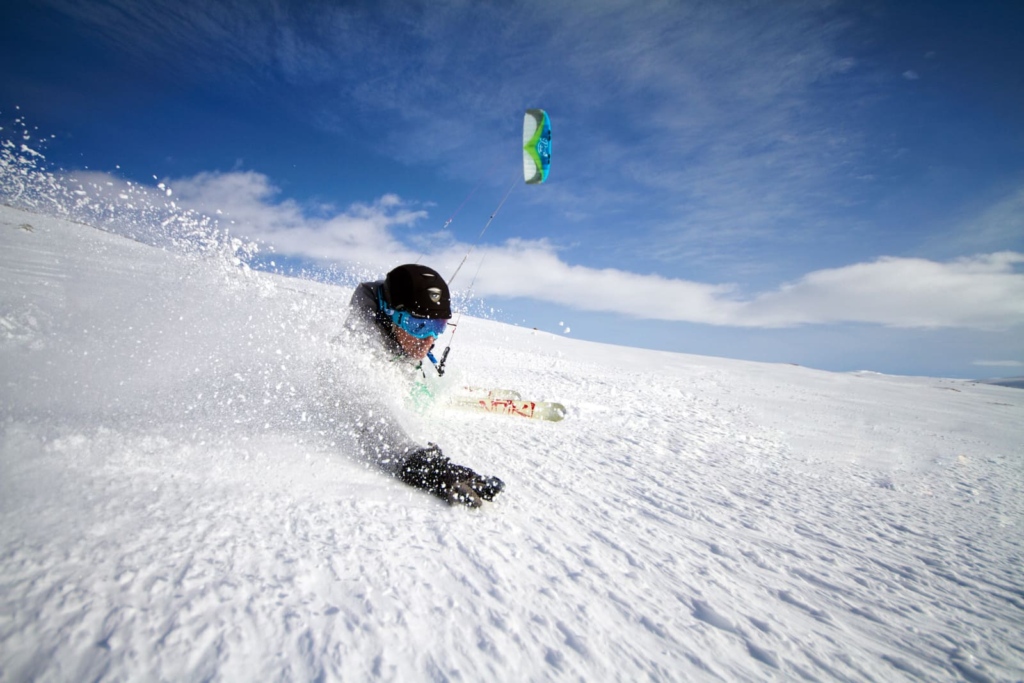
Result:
[{"x": 421, "y": 328}]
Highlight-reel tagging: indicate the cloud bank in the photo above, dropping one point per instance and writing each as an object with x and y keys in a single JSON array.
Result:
[{"x": 985, "y": 291}]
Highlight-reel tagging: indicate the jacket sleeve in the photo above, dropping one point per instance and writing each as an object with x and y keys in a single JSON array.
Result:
[
  {"x": 367, "y": 323},
  {"x": 362, "y": 389}
]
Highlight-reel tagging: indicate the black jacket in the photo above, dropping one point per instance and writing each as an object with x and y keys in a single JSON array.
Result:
[
  {"x": 378, "y": 430},
  {"x": 365, "y": 316}
]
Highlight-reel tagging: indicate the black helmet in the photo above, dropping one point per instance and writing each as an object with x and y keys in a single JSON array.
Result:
[{"x": 419, "y": 290}]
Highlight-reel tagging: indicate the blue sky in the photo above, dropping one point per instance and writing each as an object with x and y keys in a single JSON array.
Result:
[{"x": 839, "y": 185}]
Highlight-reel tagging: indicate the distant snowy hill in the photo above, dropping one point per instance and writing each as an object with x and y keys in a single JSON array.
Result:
[{"x": 176, "y": 503}]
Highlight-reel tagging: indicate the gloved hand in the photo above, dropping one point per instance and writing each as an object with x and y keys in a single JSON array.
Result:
[{"x": 432, "y": 471}]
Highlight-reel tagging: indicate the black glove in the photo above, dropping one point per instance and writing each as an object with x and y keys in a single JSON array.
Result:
[{"x": 432, "y": 471}]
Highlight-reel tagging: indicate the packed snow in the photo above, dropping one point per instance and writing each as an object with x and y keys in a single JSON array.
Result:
[{"x": 177, "y": 501}]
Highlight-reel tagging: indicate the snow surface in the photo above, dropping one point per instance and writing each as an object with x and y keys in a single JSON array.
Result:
[{"x": 175, "y": 503}]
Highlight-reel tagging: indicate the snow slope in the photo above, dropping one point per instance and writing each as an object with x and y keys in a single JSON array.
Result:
[{"x": 176, "y": 504}]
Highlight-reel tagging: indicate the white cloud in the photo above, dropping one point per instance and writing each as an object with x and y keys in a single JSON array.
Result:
[
  {"x": 362, "y": 233},
  {"x": 984, "y": 291},
  {"x": 911, "y": 75},
  {"x": 979, "y": 292},
  {"x": 999, "y": 363}
]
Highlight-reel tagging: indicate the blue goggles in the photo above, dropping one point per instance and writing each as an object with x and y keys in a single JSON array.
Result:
[
  {"x": 413, "y": 325},
  {"x": 421, "y": 328}
]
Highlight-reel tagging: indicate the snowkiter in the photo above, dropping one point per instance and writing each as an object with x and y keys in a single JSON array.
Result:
[{"x": 402, "y": 316}]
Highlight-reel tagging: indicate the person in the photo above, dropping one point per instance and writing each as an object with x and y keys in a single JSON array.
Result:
[{"x": 401, "y": 317}]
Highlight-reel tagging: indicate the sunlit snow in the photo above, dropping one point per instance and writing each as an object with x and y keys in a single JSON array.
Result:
[{"x": 176, "y": 505}]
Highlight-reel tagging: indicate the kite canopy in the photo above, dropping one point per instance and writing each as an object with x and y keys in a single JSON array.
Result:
[{"x": 536, "y": 146}]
